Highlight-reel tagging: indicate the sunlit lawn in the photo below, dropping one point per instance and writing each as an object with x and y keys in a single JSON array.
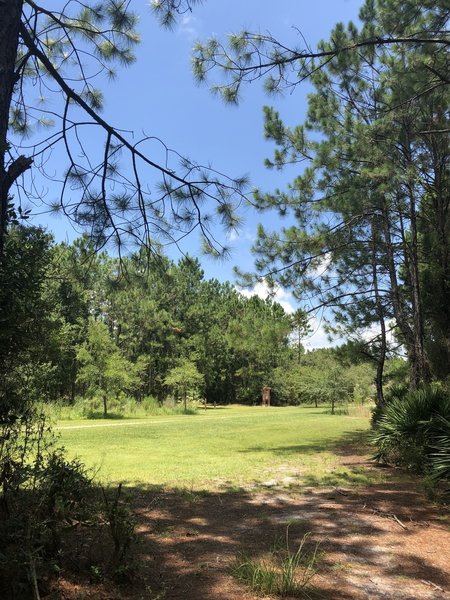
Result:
[{"x": 229, "y": 446}]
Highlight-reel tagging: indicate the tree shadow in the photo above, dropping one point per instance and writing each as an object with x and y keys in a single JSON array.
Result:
[
  {"x": 188, "y": 540},
  {"x": 375, "y": 539}
]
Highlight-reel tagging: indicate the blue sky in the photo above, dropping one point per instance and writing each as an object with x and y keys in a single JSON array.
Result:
[{"x": 158, "y": 95}]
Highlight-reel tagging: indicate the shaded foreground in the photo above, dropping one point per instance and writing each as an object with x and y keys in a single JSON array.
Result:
[{"x": 379, "y": 541}]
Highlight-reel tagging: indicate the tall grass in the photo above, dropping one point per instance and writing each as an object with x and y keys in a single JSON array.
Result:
[
  {"x": 284, "y": 573},
  {"x": 118, "y": 408}
]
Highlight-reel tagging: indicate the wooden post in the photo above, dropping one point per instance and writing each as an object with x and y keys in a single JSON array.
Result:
[{"x": 266, "y": 396}]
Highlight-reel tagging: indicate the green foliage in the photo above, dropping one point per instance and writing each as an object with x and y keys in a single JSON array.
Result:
[
  {"x": 284, "y": 573},
  {"x": 320, "y": 377},
  {"x": 40, "y": 492},
  {"x": 187, "y": 379},
  {"x": 122, "y": 529},
  {"x": 103, "y": 369},
  {"x": 368, "y": 233},
  {"x": 440, "y": 455},
  {"x": 25, "y": 319},
  {"x": 43, "y": 496},
  {"x": 413, "y": 431},
  {"x": 160, "y": 329},
  {"x": 122, "y": 407}
]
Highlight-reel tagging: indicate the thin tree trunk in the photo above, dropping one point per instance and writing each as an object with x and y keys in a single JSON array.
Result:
[
  {"x": 401, "y": 317},
  {"x": 421, "y": 372},
  {"x": 10, "y": 17},
  {"x": 380, "y": 313}
]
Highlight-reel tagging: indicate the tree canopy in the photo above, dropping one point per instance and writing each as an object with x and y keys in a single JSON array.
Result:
[
  {"x": 370, "y": 202},
  {"x": 52, "y": 65}
]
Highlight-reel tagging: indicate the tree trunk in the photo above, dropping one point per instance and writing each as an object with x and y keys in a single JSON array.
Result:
[
  {"x": 10, "y": 17},
  {"x": 421, "y": 372},
  {"x": 380, "y": 313},
  {"x": 402, "y": 318}
]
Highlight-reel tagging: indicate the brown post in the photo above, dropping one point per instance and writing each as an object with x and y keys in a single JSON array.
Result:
[{"x": 266, "y": 396}]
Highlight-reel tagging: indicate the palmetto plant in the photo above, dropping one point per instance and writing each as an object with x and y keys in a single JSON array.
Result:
[
  {"x": 440, "y": 458},
  {"x": 414, "y": 431}
]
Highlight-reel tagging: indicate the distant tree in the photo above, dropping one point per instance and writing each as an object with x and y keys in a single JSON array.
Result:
[
  {"x": 301, "y": 328},
  {"x": 25, "y": 319},
  {"x": 185, "y": 378},
  {"x": 258, "y": 337},
  {"x": 103, "y": 369}
]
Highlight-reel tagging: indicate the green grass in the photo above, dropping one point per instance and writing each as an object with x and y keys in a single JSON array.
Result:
[
  {"x": 283, "y": 572},
  {"x": 227, "y": 447}
]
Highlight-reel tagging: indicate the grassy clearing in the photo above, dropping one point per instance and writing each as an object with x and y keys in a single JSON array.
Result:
[{"x": 227, "y": 447}]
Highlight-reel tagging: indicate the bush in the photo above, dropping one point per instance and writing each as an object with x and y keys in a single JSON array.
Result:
[
  {"x": 397, "y": 392},
  {"x": 413, "y": 431},
  {"x": 40, "y": 492},
  {"x": 119, "y": 408},
  {"x": 440, "y": 456},
  {"x": 43, "y": 496}
]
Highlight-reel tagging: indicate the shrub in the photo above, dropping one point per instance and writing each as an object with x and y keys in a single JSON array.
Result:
[
  {"x": 413, "y": 431},
  {"x": 440, "y": 456},
  {"x": 43, "y": 496},
  {"x": 396, "y": 392},
  {"x": 40, "y": 491}
]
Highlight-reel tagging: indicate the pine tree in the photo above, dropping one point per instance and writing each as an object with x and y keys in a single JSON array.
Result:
[
  {"x": 362, "y": 241},
  {"x": 114, "y": 187}
]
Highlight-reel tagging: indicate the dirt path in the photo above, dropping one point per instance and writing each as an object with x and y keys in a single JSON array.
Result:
[{"x": 381, "y": 541}]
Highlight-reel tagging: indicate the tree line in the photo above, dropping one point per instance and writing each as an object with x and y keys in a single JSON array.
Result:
[{"x": 78, "y": 323}]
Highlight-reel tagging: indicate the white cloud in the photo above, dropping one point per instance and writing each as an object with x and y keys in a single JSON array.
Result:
[
  {"x": 322, "y": 266},
  {"x": 242, "y": 235},
  {"x": 279, "y": 295},
  {"x": 319, "y": 338},
  {"x": 372, "y": 332},
  {"x": 232, "y": 235},
  {"x": 189, "y": 27}
]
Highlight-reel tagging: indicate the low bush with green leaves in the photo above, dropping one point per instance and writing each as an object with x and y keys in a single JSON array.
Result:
[
  {"x": 121, "y": 407},
  {"x": 414, "y": 431},
  {"x": 43, "y": 497}
]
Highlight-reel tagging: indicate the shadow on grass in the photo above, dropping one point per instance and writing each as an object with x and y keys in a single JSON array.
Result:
[
  {"x": 188, "y": 539},
  {"x": 348, "y": 444}
]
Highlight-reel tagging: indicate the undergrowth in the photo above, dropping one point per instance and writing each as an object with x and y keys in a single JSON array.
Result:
[
  {"x": 45, "y": 498},
  {"x": 413, "y": 431},
  {"x": 118, "y": 408},
  {"x": 283, "y": 572}
]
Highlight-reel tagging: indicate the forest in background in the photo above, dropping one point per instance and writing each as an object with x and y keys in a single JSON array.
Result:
[
  {"x": 101, "y": 331},
  {"x": 367, "y": 238}
]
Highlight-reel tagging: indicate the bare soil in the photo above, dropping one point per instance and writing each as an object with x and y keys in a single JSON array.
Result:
[{"x": 379, "y": 541}]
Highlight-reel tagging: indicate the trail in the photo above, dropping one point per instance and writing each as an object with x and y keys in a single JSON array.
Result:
[{"x": 158, "y": 420}]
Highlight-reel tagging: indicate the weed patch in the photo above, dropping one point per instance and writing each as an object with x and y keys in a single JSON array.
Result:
[{"x": 282, "y": 573}]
